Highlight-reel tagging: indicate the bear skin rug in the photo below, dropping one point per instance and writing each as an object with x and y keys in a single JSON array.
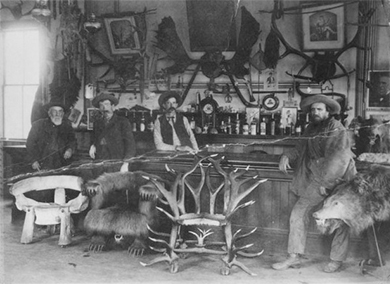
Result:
[
  {"x": 111, "y": 221},
  {"x": 358, "y": 203}
]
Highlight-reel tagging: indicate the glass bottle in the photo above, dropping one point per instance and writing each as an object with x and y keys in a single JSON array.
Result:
[
  {"x": 229, "y": 125},
  {"x": 238, "y": 124},
  {"x": 253, "y": 128},
  {"x": 263, "y": 127},
  {"x": 151, "y": 122},
  {"x": 245, "y": 127},
  {"x": 272, "y": 124},
  {"x": 134, "y": 122},
  {"x": 142, "y": 123}
]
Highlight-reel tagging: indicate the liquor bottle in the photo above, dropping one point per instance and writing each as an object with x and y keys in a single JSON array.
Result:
[
  {"x": 263, "y": 127},
  {"x": 192, "y": 123},
  {"x": 222, "y": 127},
  {"x": 229, "y": 126},
  {"x": 292, "y": 127},
  {"x": 281, "y": 129},
  {"x": 253, "y": 128},
  {"x": 238, "y": 124},
  {"x": 298, "y": 128},
  {"x": 151, "y": 122},
  {"x": 307, "y": 121},
  {"x": 272, "y": 125},
  {"x": 142, "y": 124},
  {"x": 287, "y": 130},
  {"x": 245, "y": 127},
  {"x": 134, "y": 122}
]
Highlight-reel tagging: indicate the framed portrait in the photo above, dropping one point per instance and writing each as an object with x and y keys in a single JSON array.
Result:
[
  {"x": 289, "y": 115},
  {"x": 92, "y": 115},
  {"x": 378, "y": 91},
  {"x": 122, "y": 35},
  {"x": 323, "y": 27}
]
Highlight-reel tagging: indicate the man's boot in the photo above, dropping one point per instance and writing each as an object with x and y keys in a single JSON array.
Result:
[
  {"x": 291, "y": 261},
  {"x": 333, "y": 266}
]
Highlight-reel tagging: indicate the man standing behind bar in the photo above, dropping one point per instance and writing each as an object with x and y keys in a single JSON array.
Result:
[
  {"x": 320, "y": 162},
  {"x": 172, "y": 132},
  {"x": 112, "y": 134}
]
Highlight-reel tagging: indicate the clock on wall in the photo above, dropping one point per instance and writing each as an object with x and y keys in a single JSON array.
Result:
[{"x": 208, "y": 108}]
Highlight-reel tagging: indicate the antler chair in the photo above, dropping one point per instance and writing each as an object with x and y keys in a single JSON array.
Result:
[
  {"x": 232, "y": 192},
  {"x": 49, "y": 213}
]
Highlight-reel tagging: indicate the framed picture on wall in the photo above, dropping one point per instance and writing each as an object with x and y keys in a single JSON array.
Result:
[
  {"x": 122, "y": 35},
  {"x": 323, "y": 27},
  {"x": 289, "y": 115},
  {"x": 378, "y": 93}
]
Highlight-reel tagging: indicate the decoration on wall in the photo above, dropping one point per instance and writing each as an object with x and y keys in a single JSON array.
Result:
[
  {"x": 323, "y": 66},
  {"x": 212, "y": 63},
  {"x": 378, "y": 90},
  {"x": 270, "y": 102},
  {"x": 211, "y": 25},
  {"x": 122, "y": 35},
  {"x": 324, "y": 29}
]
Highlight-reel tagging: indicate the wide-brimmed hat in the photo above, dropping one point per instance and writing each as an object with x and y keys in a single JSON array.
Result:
[
  {"x": 331, "y": 103},
  {"x": 53, "y": 103},
  {"x": 104, "y": 96},
  {"x": 167, "y": 95}
]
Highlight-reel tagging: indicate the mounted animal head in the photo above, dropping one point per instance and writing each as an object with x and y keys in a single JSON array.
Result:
[{"x": 371, "y": 135}]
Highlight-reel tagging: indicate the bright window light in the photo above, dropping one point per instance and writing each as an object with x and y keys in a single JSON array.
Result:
[{"x": 21, "y": 80}]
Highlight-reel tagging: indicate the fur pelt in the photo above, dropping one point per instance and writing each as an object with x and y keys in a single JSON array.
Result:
[
  {"x": 105, "y": 222},
  {"x": 359, "y": 202}
]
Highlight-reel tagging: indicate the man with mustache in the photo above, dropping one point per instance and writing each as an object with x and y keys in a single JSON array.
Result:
[
  {"x": 51, "y": 141},
  {"x": 321, "y": 160},
  {"x": 112, "y": 135},
  {"x": 172, "y": 131}
]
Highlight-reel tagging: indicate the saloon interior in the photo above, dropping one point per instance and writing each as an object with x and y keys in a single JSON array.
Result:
[{"x": 241, "y": 68}]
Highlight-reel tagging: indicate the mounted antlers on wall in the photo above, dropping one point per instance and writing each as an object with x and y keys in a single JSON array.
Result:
[{"x": 323, "y": 66}]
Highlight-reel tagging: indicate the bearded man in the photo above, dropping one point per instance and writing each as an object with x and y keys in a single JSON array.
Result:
[
  {"x": 322, "y": 160},
  {"x": 51, "y": 141}
]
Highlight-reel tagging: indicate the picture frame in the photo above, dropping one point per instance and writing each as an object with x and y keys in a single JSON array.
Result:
[
  {"x": 287, "y": 114},
  {"x": 122, "y": 35},
  {"x": 323, "y": 27},
  {"x": 92, "y": 115},
  {"x": 378, "y": 93}
]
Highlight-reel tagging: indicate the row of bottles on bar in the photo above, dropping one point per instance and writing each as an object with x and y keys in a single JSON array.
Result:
[
  {"x": 269, "y": 124},
  {"x": 142, "y": 121}
]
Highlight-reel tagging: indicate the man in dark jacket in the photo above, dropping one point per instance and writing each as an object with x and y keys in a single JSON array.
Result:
[
  {"x": 320, "y": 162},
  {"x": 112, "y": 134},
  {"x": 51, "y": 142},
  {"x": 172, "y": 132}
]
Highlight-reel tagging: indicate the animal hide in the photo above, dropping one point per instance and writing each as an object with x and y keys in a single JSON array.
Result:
[
  {"x": 169, "y": 42},
  {"x": 271, "y": 50}
]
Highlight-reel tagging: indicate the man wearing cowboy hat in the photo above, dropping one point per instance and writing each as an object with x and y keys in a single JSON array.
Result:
[
  {"x": 321, "y": 161},
  {"x": 172, "y": 132},
  {"x": 112, "y": 135},
  {"x": 51, "y": 141}
]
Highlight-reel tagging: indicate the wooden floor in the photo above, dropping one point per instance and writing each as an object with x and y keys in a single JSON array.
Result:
[{"x": 45, "y": 262}]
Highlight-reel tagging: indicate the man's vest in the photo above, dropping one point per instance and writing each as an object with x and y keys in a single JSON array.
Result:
[{"x": 167, "y": 133}]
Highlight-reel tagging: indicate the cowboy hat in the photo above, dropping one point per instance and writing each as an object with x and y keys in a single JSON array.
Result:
[
  {"x": 104, "y": 96},
  {"x": 167, "y": 95},
  {"x": 53, "y": 103},
  {"x": 331, "y": 103}
]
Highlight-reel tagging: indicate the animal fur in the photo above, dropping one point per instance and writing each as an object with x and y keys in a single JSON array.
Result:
[
  {"x": 106, "y": 221},
  {"x": 359, "y": 202}
]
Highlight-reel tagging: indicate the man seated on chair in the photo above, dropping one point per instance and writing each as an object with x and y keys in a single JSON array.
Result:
[{"x": 172, "y": 131}]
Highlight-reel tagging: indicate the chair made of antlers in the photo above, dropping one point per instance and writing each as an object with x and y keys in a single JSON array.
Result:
[
  {"x": 232, "y": 190},
  {"x": 43, "y": 213}
]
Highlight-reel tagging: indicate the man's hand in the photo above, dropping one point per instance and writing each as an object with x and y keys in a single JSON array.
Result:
[
  {"x": 284, "y": 164},
  {"x": 68, "y": 153},
  {"x": 124, "y": 167},
  {"x": 92, "y": 151},
  {"x": 36, "y": 166}
]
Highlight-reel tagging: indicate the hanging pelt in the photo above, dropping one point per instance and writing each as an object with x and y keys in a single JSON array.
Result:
[
  {"x": 249, "y": 33},
  {"x": 271, "y": 50},
  {"x": 169, "y": 42}
]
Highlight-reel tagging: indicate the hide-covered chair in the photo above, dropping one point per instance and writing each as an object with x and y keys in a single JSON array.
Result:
[{"x": 53, "y": 213}]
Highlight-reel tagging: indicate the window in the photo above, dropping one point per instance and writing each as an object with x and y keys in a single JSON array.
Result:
[{"x": 21, "y": 80}]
